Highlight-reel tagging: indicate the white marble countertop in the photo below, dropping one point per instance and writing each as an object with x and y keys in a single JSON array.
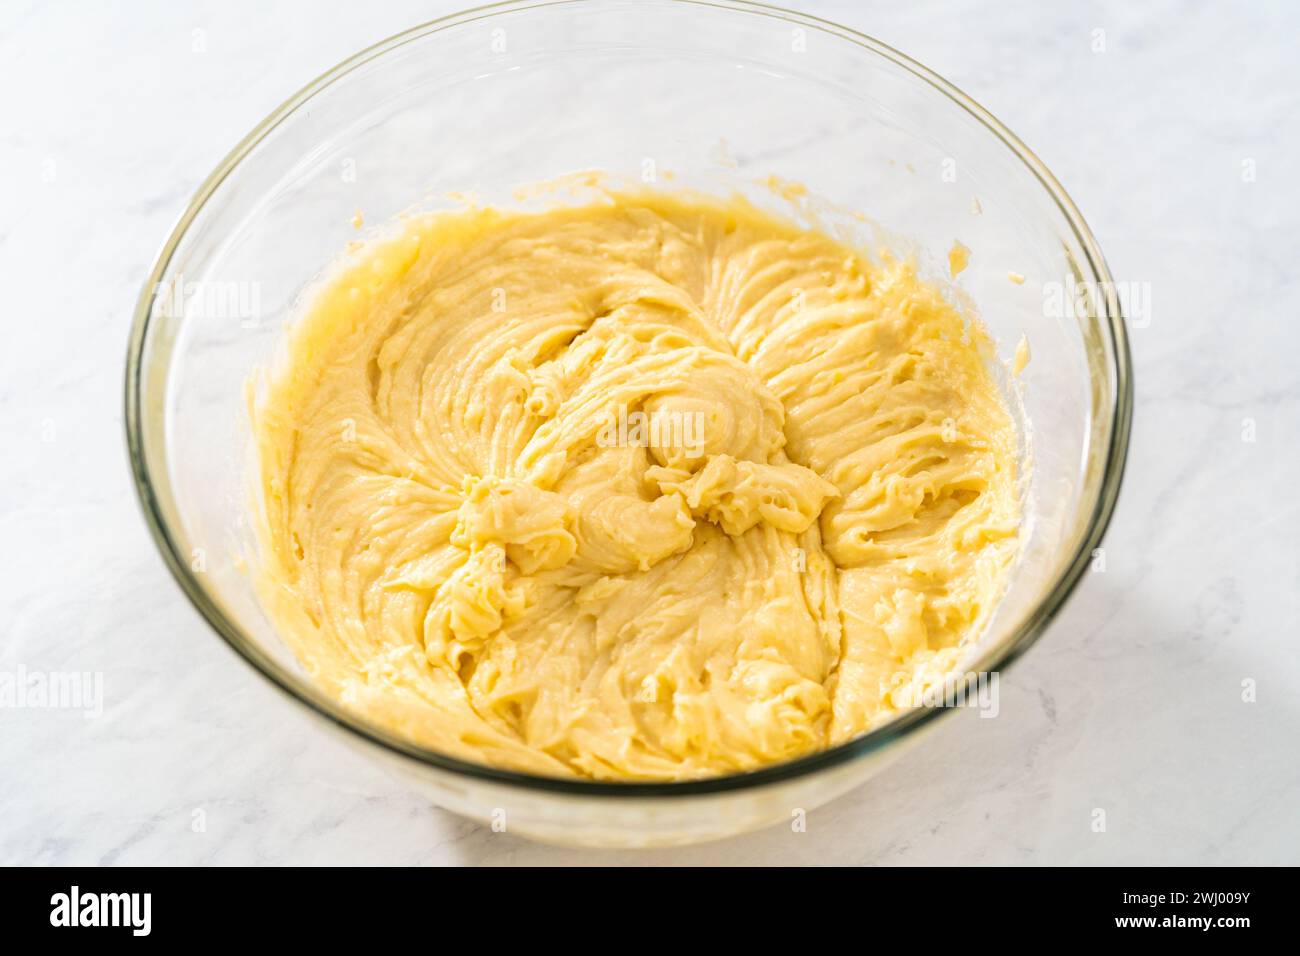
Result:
[{"x": 1178, "y": 141}]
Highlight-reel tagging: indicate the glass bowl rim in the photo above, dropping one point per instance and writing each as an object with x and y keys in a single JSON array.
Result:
[{"x": 300, "y": 689}]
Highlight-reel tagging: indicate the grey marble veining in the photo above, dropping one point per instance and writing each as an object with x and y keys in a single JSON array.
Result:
[{"x": 1178, "y": 141}]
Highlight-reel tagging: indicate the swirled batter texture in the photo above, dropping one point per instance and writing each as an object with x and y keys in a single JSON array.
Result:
[{"x": 657, "y": 487}]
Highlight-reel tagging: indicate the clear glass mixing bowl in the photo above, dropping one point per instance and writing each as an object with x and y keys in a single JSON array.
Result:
[{"x": 722, "y": 94}]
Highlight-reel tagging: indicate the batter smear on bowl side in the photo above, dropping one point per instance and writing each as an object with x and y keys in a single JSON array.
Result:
[{"x": 657, "y": 487}]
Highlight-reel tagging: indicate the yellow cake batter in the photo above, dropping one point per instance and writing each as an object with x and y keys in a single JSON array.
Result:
[{"x": 657, "y": 487}]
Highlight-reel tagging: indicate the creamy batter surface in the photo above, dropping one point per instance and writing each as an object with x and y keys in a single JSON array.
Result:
[{"x": 657, "y": 487}]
